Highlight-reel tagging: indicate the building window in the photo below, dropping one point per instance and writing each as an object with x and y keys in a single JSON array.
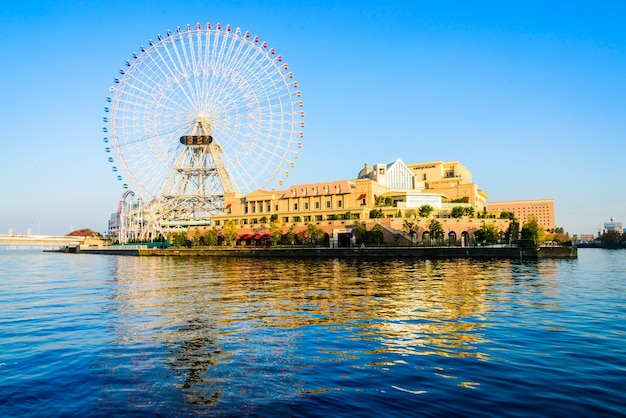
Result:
[
  {"x": 339, "y": 203},
  {"x": 306, "y": 205},
  {"x": 269, "y": 208},
  {"x": 319, "y": 218},
  {"x": 317, "y": 205},
  {"x": 328, "y": 204},
  {"x": 424, "y": 177},
  {"x": 295, "y": 206}
]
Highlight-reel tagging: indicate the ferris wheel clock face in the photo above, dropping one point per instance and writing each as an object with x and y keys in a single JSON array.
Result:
[{"x": 203, "y": 110}]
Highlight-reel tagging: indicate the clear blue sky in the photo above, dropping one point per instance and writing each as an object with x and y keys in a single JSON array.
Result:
[{"x": 529, "y": 97}]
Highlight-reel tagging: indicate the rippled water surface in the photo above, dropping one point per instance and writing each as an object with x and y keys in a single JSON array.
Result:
[{"x": 92, "y": 335}]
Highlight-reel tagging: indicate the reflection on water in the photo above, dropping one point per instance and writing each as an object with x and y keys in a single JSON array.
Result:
[
  {"x": 87, "y": 335},
  {"x": 224, "y": 324}
]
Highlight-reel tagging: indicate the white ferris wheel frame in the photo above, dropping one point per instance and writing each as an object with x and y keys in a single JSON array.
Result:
[{"x": 236, "y": 88}]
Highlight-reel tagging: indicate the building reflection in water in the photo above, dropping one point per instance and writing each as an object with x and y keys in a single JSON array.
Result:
[{"x": 225, "y": 324}]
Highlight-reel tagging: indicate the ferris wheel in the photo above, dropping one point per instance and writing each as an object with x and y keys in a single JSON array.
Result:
[{"x": 200, "y": 112}]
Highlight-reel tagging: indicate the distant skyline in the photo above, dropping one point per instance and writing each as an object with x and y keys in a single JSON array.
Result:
[{"x": 530, "y": 97}]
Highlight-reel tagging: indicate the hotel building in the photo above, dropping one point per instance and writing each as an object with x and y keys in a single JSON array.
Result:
[{"x": 542, "y": 209}]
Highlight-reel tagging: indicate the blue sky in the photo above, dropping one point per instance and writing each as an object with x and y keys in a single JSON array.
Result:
[{"x": 529, "y": 97}]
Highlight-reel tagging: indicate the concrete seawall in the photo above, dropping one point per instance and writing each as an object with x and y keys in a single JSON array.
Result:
[{"x": 534, "y": 253}]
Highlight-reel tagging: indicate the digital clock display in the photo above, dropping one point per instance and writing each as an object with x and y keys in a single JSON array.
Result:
[{"x": 196, "y": 140}]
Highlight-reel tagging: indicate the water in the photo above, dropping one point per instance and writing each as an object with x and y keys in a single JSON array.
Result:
[{"x": 92, "y": 335}]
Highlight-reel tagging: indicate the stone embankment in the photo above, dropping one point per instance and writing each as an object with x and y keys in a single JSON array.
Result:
[{"x": 504, "y": 252}]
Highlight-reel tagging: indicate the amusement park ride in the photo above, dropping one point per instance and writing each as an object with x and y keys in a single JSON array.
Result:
[{"x": 200, "y": 112}]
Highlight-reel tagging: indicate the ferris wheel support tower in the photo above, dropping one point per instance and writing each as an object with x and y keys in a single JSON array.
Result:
[{"x": 198, "y": 179}]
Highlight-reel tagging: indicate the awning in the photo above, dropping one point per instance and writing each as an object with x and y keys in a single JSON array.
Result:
[
  {"x": 362, "y": 196},
  {"x": 228, "y": 206},
  {"x": 245, "y": 237},
  {"x": 257, "y": 236}
]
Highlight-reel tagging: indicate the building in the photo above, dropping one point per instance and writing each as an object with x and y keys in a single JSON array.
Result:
[
  {"x": 452, "y": 180},
  {"x": 394, "y": 189},
  {"x": 613, "y": 226},
  {"x": 542, "y": 209}
]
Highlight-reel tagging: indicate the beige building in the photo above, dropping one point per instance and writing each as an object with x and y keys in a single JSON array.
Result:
[
  {"x": 450, "y": 179},
  {"x": 543, "y": 209},
  {"x": 396, "y": 189}
]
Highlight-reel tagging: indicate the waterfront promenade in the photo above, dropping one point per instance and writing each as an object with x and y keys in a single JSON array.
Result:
[{"x": 383, "y": 252}]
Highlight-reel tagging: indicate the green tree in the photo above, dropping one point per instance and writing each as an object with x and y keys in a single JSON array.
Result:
[
  {"x": 197, "y": 237},
  {"x": 507, "y": 215},
  {"x": 360, "y": 234},
  {"x": 313, "y": 234},
  {"x": 210, "y": 237},
  {"x": 376, "y": 213},
  {"x": 376, "y": 235},
  {"x": 469, "y": 211},
  {"x": 411, "y": 226},
  {"x": 512, "y": 234},
  {"x": 230, "y": 232},
  {"x": 291, "y": 234},
  {"x": 436, "y": 230},
  {"x": 488, "y": 232},
  {"x": 179, "y": 238},
  {"x": 425, "y": 210},
  {"x": 533, "y": 230},
  {"x": 276, "y": 231},
  {"x": 457, "y": 211}
]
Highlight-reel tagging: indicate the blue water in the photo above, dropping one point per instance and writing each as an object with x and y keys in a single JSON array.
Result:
[{"x": 92, "y": 335}]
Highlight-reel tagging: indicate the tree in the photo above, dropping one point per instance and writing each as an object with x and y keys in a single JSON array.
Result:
[
  {"x": 457, "y": 211},
  {"x": 512, "y": 234},
  {"x": 291, "y": 234},
  {"x": 425, "y": 210},
  {"x": 230, "y": 232},
  {"x": 210, "y": 237},
  {"x": 376, "y": 213},
  {"x": 360, "y": 234},
  {"x": 276, "y": 231},
  {"x": 179, "y": 238},
  {"x": 411, "y": 227},
  {"x": 488, "y": 232},
  {"x": 376, "y": 235},
  {"x": 533, "y": 230},
  {"x": 197, "y": 237},
  {"x": 507, "y": 215},
  {"x": 469, "y": 211},
  {"x": 312, "y": 235},
  {"x": 436, "y": 230}
]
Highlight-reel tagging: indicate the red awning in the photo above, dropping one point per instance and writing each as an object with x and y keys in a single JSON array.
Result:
[
  {"x": 265, "y": 236},
  {"x": 257, "y": 236},
  {"x": 363, "y": 196},
  {"x": 228, "y": 206},
  {"x": 245, "y": 236}
]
